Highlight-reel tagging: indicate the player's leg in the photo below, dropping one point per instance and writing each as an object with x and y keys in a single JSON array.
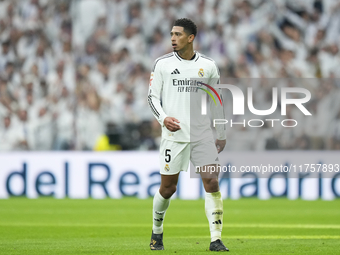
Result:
[
  {"x": 213, "y": 202},
  {"x": 204, "y": 154},
  {"x": 174, "y": 157},
  {"x": 161, "y": 202},
  {"x": 213, "y": 207}
]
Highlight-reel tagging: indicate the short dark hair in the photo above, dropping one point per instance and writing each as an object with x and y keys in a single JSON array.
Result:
[{"x": 188, "y": 25}]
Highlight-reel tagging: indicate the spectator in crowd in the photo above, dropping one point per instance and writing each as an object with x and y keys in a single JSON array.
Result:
[
  {"x": 70, "y": 69},
  {"x": 63, "y": 115},
  {"x": 10, "y": 137},
  {"x": 24, "y": 129}
]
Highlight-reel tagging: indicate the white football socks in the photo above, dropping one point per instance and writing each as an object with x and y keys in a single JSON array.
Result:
[
  {"x": 214, "y": 212},
  {"x": 160, "y": 205}
]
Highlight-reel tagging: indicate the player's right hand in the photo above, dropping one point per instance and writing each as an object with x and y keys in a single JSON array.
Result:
[{"x": 171, "y": 124}]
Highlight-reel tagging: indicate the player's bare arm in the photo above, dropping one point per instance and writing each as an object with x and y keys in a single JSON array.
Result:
[{"x": 171, "y": 124}]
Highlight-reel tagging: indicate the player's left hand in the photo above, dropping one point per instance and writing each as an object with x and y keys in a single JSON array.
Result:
[{"x": 220, "y": 144}]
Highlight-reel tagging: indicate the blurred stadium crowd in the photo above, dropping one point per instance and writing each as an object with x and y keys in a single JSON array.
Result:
[{"x": 72, "y": 71}]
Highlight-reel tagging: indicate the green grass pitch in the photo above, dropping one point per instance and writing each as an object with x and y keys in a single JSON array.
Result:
[{"x": 110, "y": 226}]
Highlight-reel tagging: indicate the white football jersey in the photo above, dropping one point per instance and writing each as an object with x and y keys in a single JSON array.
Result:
[{"x": 176, "y": 91}]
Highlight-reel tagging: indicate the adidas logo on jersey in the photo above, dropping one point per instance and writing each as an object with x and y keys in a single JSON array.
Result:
[
  {"x": 217, "y": 222},
  {"x": 175, "y": 71}
]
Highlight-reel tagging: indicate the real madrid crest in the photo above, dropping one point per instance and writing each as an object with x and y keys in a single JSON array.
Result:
[
  {"x": 201, "y": 72},
  {"x": 167, "y": 168}
]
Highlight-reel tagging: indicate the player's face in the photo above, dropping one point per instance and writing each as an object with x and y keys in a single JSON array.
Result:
[{"x": 179, "y": 39}]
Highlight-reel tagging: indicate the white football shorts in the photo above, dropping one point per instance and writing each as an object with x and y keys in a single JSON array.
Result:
[{"x": 174, "y": 156}]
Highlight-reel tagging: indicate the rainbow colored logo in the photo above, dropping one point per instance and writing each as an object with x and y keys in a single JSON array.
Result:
[{"x": 209, "y": 93}]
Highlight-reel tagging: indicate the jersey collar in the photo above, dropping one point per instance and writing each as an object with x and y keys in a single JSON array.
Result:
[{"x": 196, "y": 57}]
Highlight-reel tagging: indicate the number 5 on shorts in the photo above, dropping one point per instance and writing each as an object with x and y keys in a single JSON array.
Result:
[{"x": 167, "y": 155}]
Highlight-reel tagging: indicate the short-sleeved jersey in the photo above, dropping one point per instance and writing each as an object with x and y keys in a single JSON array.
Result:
[{"x": 174, "y": 91}]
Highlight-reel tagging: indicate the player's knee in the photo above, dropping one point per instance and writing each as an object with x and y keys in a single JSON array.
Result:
[
  {"x": 212, "y": 185},
  {"x": 168, "y": 191},
  {"x": 172, "y": 189}
]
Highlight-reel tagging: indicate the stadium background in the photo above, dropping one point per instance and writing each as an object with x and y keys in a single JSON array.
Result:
[
  {"x": 74, "y": 78},
  {"x": 73, "y": 71}
]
